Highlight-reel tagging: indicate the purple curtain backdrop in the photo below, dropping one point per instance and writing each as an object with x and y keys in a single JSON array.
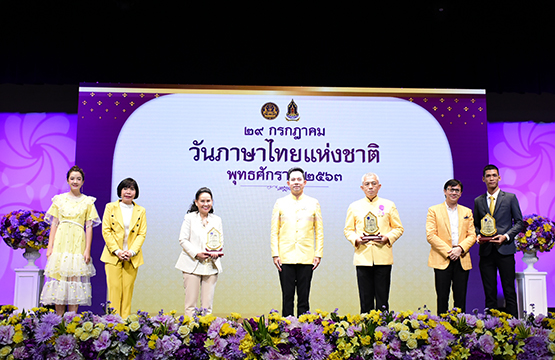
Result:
[{"x": 37, "y": 150}]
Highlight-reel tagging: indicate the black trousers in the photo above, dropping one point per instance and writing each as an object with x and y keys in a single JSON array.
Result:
[
  {"x": 295, "y": 277},
  {"x": 505, "y": 264},
  {"x": 455, "y": 277},
  {"x": 374, "y": 283}
]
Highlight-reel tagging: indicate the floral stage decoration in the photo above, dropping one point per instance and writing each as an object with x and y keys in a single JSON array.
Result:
[
  {"x": 25, "y": 229},
  {"x": 41, "y": 334},
  {"x": 538, "y": 235}
]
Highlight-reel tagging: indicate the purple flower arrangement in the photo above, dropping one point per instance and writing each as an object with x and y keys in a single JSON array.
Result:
[
  {"x": 41, "y": 334},
  {"x": 538, "y": 235},
  {"x": 22, "y": 229}
]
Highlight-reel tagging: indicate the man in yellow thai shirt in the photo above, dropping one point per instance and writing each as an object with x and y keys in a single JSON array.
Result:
[
  {"x": 373, "y": 256},
  {"x": 297, "y": 242}
]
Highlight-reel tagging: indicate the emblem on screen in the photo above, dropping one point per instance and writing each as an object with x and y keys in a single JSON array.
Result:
[
  {"x": 270, "y": 111},
  {"x": 292, "y": 112}
]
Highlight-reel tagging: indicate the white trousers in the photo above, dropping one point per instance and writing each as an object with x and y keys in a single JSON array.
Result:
[{"x": 195, "y": 284}]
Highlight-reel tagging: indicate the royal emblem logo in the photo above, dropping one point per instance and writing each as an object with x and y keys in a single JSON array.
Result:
[
  {"x": 270, "y": 111},
  {"x": 292, "y": 112}
]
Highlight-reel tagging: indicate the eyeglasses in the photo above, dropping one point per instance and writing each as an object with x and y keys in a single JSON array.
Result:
[{"x": 454, "y": 191}]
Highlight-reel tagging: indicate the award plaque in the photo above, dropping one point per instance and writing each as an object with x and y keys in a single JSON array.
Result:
[
  {"x": 214, "y": 243},
  {"x": 488, "y": 229},
  {"x": 371, "y": 230}
]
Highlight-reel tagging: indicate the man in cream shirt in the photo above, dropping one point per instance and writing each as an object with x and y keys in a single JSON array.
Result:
[
  {"x": 297, "y": 242},
  {"x": 373, "y": 258}
]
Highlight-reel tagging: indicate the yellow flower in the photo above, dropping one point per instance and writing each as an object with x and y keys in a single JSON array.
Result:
[
  {"x": 547, "y": 227},
  {"x": 78, "y": 332},
  {"x": 344, "y": 324},
  {"x": 120, "y": 327},
  {"x": 207, "y": 319},
  {"x": 415, "y": 324},
  {"x": 152, "y": 344},
  {"x": 71, "y": 328},
  {"x": 508, "y": 350},
  {"x": 77, "y": 319},
  {"x": 551, "y": 348},
  {"x": 5, "y": 351},
  {"x": 134, "y": 326},
  {"x": 85, "y": 336},
  {"x": 275, "y": 316},
  {"x": 378, "y": 335},
  {"x": 100, "y": 326},
  {"x": 184, "y": 330},
  {"x": 366, "y": 340},
  {"x": 422, "y": 317},
  {"x": 421, "y": 334},
  {"x": 308, "y": 317},
  {"x": 323, "y": 314},
  {"x": 272, "y": 327},
  {"x": 96, "y": 332},
  {"x": 18, "y": 337},
  {"x": 235, "y": 316},
  {"x": 412, "y": 343},
  {"x": 226, "y": 329},
  {"x": 246, "y": 344},
  {"x": 356, "y": 319},
  {"x": 404, "y": 335},
  {"x": 88, "y": 326},
  {"x": 133, "y": 318}
]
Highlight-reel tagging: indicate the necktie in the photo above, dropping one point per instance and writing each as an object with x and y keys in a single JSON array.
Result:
[{"x": 491, "y": 205}]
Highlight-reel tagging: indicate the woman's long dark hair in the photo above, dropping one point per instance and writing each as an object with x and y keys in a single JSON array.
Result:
[{"x": 200, "y": 191}]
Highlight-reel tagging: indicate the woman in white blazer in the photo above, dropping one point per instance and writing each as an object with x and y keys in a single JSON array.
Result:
[{"x": 200, "y": 266}]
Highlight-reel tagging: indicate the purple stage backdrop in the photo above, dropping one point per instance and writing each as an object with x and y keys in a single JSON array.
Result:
[
  {"x": 37, "y": 150},
  {"x": 525, "y": 155}
]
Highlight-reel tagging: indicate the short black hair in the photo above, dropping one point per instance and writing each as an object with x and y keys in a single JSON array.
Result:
[
  {"x": 451, "y": 183},
  {"x": 490, "y": 167},
  {"x": 128, "y": 183},
  {"x": 295, "y": 169}
]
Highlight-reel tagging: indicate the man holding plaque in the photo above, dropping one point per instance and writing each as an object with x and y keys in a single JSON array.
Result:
[
  {"x": 372, "y": 226},
  {"x": 450, "y": 232},
  {"x": 497, "y": 218},
  {"x": 297, "y": 242}
]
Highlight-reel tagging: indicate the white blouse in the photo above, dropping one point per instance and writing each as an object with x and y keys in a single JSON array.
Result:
[{"x": 126, "y": 213}]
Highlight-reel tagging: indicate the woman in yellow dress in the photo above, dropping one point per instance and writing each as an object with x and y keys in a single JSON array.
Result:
[{"x": 69, "y": 266}]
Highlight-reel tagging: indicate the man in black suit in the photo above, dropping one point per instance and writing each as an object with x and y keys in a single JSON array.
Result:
[{"x": 498, "y": 254}]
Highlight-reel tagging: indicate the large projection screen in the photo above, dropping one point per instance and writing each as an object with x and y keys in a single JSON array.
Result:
[{"x": 239, "y": 142}]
